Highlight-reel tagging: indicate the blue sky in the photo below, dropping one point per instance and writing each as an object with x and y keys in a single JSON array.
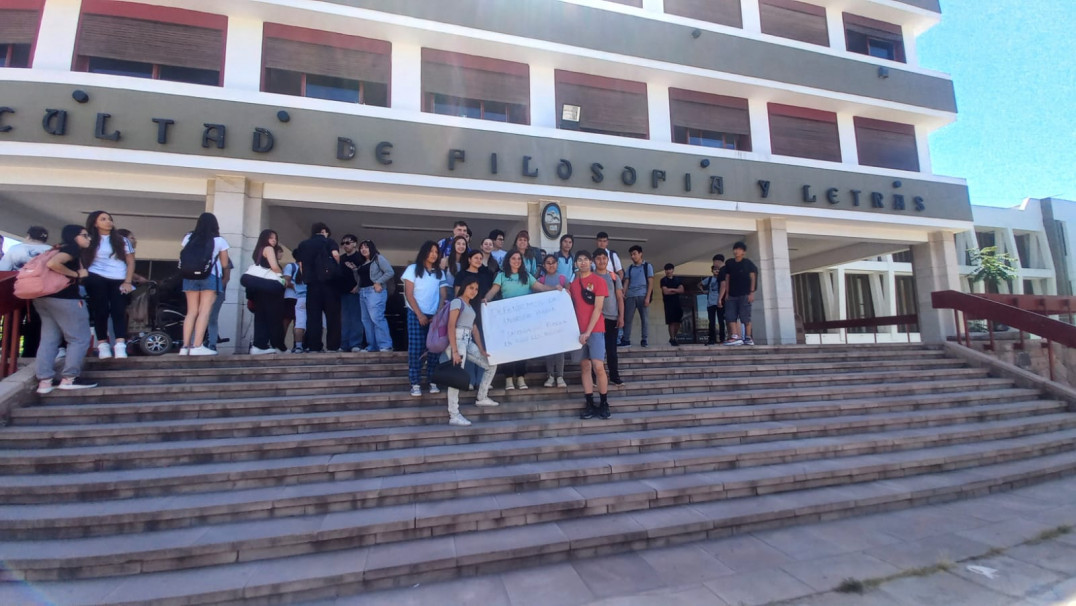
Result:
[{"x": 1013, "y": 63}]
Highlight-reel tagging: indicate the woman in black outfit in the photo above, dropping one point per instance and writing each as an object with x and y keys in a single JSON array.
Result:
[{"x": 268, "y": 307}]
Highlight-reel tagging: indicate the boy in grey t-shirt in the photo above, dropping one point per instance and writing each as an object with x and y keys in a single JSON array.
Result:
[{"x": 612, "y": 312}]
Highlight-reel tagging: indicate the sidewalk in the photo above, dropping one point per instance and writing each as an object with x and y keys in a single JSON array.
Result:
[{"x": 1017, "y": 545}]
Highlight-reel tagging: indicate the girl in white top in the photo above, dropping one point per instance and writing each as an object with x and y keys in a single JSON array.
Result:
[
  {"x": 202, "y": 294},
  {"x": 110, "y": 261}
]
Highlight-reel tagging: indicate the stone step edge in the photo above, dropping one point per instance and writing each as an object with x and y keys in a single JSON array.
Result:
[
  {"x": 388, "y": 438},
  {"x": 305, "y": 471},
  {"x": 351, "y": 492},
  {"x": 531, "y": 397},
  {"x": 463, "y": 524},
  {"x": 256, "y": 388},
  {"x": 378, "y": 418}
]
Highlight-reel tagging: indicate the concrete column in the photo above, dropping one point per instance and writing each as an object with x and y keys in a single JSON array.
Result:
[
  {"x": 773, "y": 313},
  {"x": 911, "y": 53},
  {"x": 935, "y": 268},
  {"x": 657, "y": 100},
  {"x": 241, "y": 213},
  {"x": 55, "y": 48},
  {"x": 922, "y": 148},
  {"x": 759, "y": 115},
  {"x": 846, "y": 132},
  {"x": 749, "y": 13},
  {"x": 891, "y": 295},
  {"x": 835, "y": 27},
  {"x": 406, "y": 77},
  {"x": 544, "y": 110},
  {"x": 654, "y": 6},
  {"x": 534, "y": 227},
  {"x": 243, "y": 54}
]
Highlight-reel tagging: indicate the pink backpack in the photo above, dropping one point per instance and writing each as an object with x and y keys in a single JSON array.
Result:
[
  {"x": 36, "y": 280},
  {"x": 437, "y": 338}
]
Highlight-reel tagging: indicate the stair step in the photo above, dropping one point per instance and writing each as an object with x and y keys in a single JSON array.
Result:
[
  {"x": 151, "y": 482},
  {"x": 79, "y": 520},
  {"x": 661, "y": 427},
  {"x": 278, "y": 537}
]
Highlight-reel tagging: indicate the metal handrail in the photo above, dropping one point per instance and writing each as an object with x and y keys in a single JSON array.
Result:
[
  {"x": 11, "y": 310},
  {"x": 907, "y": 319},
  {"x": 981, "y": 307}
]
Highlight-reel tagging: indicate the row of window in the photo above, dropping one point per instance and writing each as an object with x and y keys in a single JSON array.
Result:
[
  {"x": 186, "y": 46},
  {"x": 796, "y": 21}
]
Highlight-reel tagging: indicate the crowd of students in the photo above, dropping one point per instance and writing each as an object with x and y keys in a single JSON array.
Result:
[{"x": 336, "y": 295}]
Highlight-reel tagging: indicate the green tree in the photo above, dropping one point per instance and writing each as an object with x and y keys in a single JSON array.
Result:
[{"x": 991, "y": 267}]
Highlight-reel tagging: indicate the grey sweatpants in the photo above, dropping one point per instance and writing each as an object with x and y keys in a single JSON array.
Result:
[{"x": 62, "y": 319}]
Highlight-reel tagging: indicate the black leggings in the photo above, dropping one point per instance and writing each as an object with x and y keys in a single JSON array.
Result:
[
  {"x": 269, "y": 321},
  {"x": 106, "y": 301}
]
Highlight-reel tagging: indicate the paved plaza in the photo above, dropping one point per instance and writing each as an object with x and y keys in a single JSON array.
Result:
[{"x": 1006, "y": 549}]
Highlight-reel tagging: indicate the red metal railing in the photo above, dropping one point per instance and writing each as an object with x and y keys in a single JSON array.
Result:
[
  {"x": 11, "y": 311},
  {"x": 992, "y": 309},
  {"x": 819, "y": 327}
]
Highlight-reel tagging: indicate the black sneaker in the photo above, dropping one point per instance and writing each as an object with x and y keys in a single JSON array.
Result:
[
  {"x": 674, "y": 342},
  {"x": 617, "y": 381},
  {"x": 603, "y": 411},
  {"x": 77, "y": 383},
  {"x": 624, "y": 344},
  {"x": 589, "y": 410},
  {"x": 644, "y": 344}
]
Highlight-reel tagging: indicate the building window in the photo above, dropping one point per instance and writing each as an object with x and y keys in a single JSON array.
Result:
[
  {"x": 325, "y": 65},
  {"x": 455, "y": 84},
  {"x": 18, "y": 34},
  {"x": 607, "y": 106},
  {"x": 874, "y": 38},
  {"x": 804, "y": 133},
  {"x": 1062, "y": 237},
  {"x": 1023, "y": 249},
  {"x": 807, "y": 297},
  {"x": 709, "y": 120},
  {"x": 859, "y": 300},
  {"x": 904, "y": 256},
  {"x": 794, "y": 20},
  {"x": 907, "y": 303},
  {"x": 886, "y": 144},
  {"x": 724, "y": 12},
  {"x": 142, "y": 41}
]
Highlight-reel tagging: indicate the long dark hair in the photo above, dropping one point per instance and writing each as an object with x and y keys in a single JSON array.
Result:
[
  {"x": 465, "y": 279},
  {"x": 206, "y": 228},
  {"x": 263, "y": 241},
  {"x": 119, "y": 246},
  {"x": 420, "y": 260},
  {"x": 69, "y": 233},
  {"x": 454, "y": 258},
  {"x": 507, "y": 267},
  {"x": 373, "y": 249}
]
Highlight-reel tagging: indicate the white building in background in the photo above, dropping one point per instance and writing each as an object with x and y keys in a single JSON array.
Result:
[{"x": 1036, "y": 233}]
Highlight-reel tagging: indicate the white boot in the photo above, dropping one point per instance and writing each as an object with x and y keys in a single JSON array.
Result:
[{"x": 509, "y": 384}]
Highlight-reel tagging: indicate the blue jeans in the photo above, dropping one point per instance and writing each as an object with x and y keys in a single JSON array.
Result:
[
  {"x": 350, "y": 322},
  {"x": 213, "y": 332},
  {"x": 630, "y": 305},
  {"x": 373, "y": 319}
]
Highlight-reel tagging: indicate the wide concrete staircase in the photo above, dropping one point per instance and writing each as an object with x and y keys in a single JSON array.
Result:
[{"x": 289, "y": 478}]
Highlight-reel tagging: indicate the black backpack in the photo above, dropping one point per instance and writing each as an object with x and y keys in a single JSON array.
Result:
[
  {"x": 196, "y": 259},
  {"x": 326, "y": 269}
]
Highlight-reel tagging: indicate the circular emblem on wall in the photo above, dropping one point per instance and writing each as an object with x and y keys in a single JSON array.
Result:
[{"x": 552, "y": 220}]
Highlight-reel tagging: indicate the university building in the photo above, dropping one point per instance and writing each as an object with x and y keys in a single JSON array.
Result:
[{"x": 681, "y": 125}]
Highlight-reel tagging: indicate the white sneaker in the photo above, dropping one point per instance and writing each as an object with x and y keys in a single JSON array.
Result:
[
  {"x": 61, "y": 353},
  {"x": 184, "y": 351},
  {"x": 254, "y": 351},
  {"x": 202, "y": 350},
  {"x": 550, "y": 382},
  {"x": 44, "y": 386},
  {"x": 560, "y": 382},
  {"x": 520, "y": 383},
  {"x": 357, "y": 350},
  {"x": 486, "y": 401},
  {"x": 434, "y": 388},
  {"x": 458, "y": 420},
  {"x": 120, "y": 350},
  {"x": 509, "y": 384},
  {"x": 416, "y": 390},
  {"x": 104, "y": 350}
]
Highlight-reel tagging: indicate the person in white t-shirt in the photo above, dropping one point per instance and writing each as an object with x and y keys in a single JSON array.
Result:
[
  {"x": 110, "y": 261},
  {"x": 202, "y": 293},
  {"x": 425, "y": 291}
]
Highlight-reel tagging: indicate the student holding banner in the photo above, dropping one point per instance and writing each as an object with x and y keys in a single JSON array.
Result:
[
  {"x": 515, "y": 281},
  {"x": 465, "y": 342},
  {"x": 588, "y": 293}
]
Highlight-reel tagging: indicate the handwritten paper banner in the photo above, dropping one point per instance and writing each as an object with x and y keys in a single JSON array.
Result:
[{"x": 531, "y": 326}]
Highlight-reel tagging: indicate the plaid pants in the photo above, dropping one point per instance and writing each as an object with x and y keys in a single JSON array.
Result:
[{"x": 416, "y": 348}]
